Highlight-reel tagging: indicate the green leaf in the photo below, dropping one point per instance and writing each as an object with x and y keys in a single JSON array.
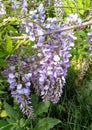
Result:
[
  {"x": 42, "y": 107},
  {"x": 8, "y": 46},
  {"x": 76, "y": 6},
  {"x": 2, "y": 92},
  {"x": 39, "y": 107},
  {"x": 3, "y": 53},
  {"x": 1, "y": 80},
  {"x": 46, "y": 123},
  {"x": 12, "y": 29},
  {"x": 4, "y": 125},
  {"x": 19, "y": 43},
  {"x": 82, "y": 33},
  {"x": 3, "y": 113},
  {"x": 11, "y": 121},
  {"x": 22, "y": 122},
  {"x": 2, "y": 63},
  {"x": 10, "y": 111}
]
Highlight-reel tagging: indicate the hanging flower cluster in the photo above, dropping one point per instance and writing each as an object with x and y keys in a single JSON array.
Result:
[
  {"x": 90, "y": 38},
  {"x": 47, "y": 69},
  {"x": 2, "y": 9},
  {"x": 24, "y": 6},
  {"x": 19, "y": 80},
  {"x": 90, "y": 47},
  {"x": 58, "y": 8},
  {"x": 74, "y": 19},
  {"x": 21, "y": 5},
  {"x": 53, "y": 53}
]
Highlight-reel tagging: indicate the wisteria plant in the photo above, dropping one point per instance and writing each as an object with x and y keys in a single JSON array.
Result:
[{"x": 35, "y": 54}]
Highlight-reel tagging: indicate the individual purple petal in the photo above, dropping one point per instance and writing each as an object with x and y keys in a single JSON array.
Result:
[
  {"x": 11, "y": 75},
  {"x": 41, "y": 9}
]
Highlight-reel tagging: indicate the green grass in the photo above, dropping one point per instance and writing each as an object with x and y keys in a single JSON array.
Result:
[{"x": 75, "y": 107}]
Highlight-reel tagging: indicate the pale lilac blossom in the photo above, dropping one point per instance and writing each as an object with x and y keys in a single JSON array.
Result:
[
  {"x": 2, "y": 9},
  {"x": 90, "y": 47}
]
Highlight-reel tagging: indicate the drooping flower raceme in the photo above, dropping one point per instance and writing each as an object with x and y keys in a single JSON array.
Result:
[
  {"x": 90, "y": 47},
  {"x": 58, "y": 8},
  {"x": 13, "y": 5},
  {"x": 19, "y": 80},
  {"x": 2, "y": 9},
  {"x": 49, "y": 72},
  {"x": 47, "y": 68},
  {"x": 90, "y": 38},
  {"x": 24, "y": 5}
]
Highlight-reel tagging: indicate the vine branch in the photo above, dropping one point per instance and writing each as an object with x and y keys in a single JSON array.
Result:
[
  {"x": 55, "y": 31},
  {"x": 67, "y": 7}
]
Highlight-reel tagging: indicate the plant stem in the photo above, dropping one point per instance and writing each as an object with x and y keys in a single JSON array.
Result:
[{"x": 55, "y": 31}]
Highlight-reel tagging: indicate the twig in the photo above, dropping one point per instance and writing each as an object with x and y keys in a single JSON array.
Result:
[
  {"x": 69, "y": 7},
  {"x": 55, "y": 31}
]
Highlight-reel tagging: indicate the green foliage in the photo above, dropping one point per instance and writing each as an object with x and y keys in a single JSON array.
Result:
[
  {"x": 39, "y": 107},
  {"x": 7, "y": 28},
  {"x": 42, "y": 107},
  {"x": 46, "y": 123},
  {"x": 8, "y": 46},
  {"x": 4, "y": 125},
  {"x": 81, "y": 45},
  {"x": 76, "y": 6},
  {"x": 14, "y": 120},
  {"x": 10, "y": 111}
]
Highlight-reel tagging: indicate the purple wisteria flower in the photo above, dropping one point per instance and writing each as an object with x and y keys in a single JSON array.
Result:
[
  {"x": 90, "y": 38},
  {"x": 13, "y": 5},
  {"x": 90, "y": 47},
  {"x": 74, "y": 19},
  {"x": 24, "y": 6},
  {"x": 59, "y": 11},
  {"x": 2, "y": 9},
  {"x": 47, "y": 68},
  {"x": 19, "y": 80}
]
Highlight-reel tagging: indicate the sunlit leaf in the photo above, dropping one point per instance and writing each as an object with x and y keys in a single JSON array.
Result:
[
  {"x": 8, "y": 46},
  {"x": 3, "y": 113}
]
